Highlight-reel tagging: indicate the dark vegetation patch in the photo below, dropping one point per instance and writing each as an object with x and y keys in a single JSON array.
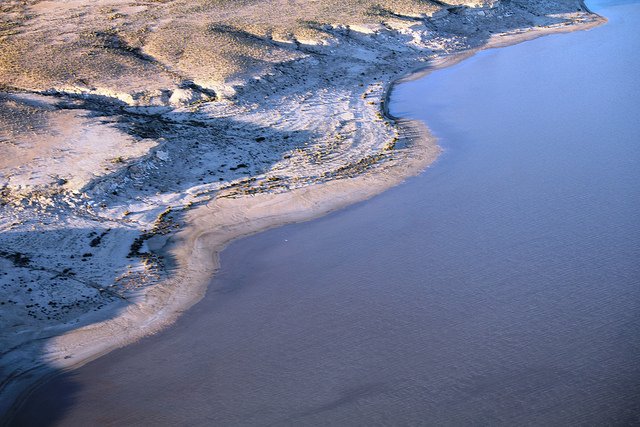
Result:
[
  {"x": 98, "y": 239},
  {"x": 164, "y": 224},
  {"x": 17, "y": 258}
]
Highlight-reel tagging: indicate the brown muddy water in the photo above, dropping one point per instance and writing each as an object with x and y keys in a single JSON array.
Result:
[{"x": 500, "y": 287}]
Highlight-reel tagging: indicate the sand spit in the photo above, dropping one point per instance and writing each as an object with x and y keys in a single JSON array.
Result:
[{"x": 116, "y": 201}]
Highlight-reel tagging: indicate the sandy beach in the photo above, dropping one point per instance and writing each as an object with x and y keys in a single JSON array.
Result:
[{"x": 289, "y": 145}]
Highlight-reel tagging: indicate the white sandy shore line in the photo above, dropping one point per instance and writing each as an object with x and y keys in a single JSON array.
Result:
[{"x": 211, "y": 227}]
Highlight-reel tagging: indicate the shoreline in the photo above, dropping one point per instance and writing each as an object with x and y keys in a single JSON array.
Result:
[{"x": 214, "y": 225}]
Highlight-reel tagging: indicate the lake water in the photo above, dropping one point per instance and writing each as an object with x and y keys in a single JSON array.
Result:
[{"x": 502, "y": 286}]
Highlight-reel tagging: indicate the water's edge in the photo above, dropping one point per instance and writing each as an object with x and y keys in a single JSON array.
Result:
[{"x": 202, "y": 241}]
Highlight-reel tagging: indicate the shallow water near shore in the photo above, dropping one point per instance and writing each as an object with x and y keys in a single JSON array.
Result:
[{"x": 501, "y": 286}]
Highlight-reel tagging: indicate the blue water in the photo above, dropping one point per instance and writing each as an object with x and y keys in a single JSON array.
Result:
[{"x": 502, "y": 286}]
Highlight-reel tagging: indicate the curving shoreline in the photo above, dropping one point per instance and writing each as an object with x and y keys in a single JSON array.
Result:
[{"x": 212, "y": 226}]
